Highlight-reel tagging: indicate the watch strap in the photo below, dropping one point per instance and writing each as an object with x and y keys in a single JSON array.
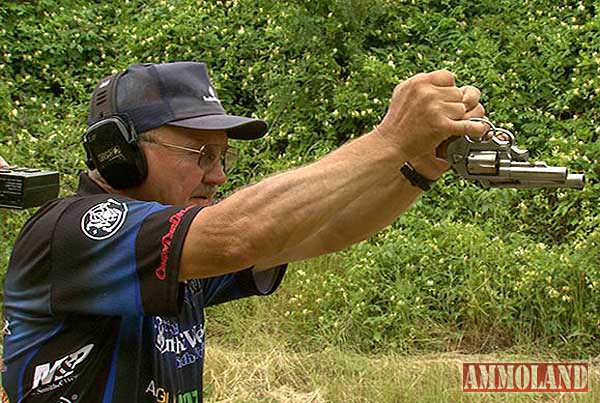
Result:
[{"x": 415, "y": 178}]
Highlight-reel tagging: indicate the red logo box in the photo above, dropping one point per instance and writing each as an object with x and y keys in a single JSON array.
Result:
[{"x": 525, "y": 377}]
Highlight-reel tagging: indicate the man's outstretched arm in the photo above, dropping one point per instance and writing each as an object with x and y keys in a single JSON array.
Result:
[
  {"x": 379, "y": 205},
  {"x": 280, "y": 212}
]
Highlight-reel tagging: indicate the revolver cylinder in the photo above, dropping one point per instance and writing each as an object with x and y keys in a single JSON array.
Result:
[{"x": 483, "y": 163}]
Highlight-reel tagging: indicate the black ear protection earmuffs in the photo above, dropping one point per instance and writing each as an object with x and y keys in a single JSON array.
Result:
[{"x": 111, "y": 141}]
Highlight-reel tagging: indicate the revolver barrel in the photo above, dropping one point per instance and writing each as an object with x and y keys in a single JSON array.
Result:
[
  {"x": 576, "y": 181},
  {"x": 537, "y": 171},
  {"x": 491, "y": 171}
]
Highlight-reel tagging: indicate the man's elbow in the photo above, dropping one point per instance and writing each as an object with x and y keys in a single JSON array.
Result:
[{"x": 214, "y": 258}]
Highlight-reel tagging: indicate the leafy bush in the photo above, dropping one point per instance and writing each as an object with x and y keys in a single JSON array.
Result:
[
  {"x": 321, "y": 72},
  {"x": 450, "y": 286}
]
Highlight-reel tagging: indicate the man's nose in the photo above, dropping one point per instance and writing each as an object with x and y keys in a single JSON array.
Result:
[{"x": 215, "y": 175}]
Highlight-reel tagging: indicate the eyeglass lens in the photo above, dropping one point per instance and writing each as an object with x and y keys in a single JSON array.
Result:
[{"x": 213, "y": 153}]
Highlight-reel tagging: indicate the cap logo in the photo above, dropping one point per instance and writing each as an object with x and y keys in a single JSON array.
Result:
[
  {"x": 104, "y": 83},
  {"x": 212, "y": 97},
  {"x": 103, "y": 220}
]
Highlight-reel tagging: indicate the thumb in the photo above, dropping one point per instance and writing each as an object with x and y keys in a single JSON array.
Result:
[{"x": 3, "y": 162}]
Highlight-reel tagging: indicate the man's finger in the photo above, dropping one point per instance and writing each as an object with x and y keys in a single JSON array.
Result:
[
  {"x": 470, "y": 96},
  {"x": 477, "y": 112},
  {"x": 442, "y": 78},
  {"x": 455, "y": 110},
  {"x": 450, "y": 94},
  {"x": 467, "y": 128},
  {"x": 3, "y": 162}
]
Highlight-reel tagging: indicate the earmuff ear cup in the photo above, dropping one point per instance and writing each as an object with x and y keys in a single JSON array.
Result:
[{"x": 113, "y": 150}]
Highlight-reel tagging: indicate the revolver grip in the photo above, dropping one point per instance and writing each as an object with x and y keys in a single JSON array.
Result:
[{"x": 442, "y": 150}]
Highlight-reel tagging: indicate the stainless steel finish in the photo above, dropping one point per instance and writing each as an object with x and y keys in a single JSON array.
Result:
[{"x": 496, "y": 161}]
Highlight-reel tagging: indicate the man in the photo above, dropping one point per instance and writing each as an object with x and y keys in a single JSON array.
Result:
[{"x": 105, "y": 290}]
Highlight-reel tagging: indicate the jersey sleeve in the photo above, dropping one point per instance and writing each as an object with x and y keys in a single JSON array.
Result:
[
  {"x": 242, "y": 284},
  {"x": 117, "y": 256}
]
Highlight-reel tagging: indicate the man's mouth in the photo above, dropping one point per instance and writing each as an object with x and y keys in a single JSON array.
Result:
[{"x": 203, "y": 196}]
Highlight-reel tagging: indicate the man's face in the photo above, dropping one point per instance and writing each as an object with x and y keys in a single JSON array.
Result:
[{"x": 174, "y": 176}]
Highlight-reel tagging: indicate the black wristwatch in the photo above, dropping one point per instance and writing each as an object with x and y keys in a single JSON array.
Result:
[{"x": 415, "y": 178}]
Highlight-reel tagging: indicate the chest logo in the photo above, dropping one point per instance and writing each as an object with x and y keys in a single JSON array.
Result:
[
  {"x": 52, "y": 375},
  {"x": 103, "y": 220}
]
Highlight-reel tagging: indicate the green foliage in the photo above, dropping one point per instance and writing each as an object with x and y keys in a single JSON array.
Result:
[
  {"x": 451, "y": 286},
  {"x": 441, "y": 286},
  {"x": 322, "y": 72}
]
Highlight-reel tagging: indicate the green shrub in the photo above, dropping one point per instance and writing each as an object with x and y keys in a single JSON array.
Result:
[{"x": 435, "y": 286}]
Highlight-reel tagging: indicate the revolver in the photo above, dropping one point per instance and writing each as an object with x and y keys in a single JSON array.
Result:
[{"x": 495, "y": 161}]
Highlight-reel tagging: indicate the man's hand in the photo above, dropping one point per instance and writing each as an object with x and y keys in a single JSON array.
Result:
[
  {"x": 427, "y": 109},
  {"x": 428, "y": 164}
]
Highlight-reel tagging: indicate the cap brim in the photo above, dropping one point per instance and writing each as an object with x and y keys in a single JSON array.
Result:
[{"x": 236, "y": 127}]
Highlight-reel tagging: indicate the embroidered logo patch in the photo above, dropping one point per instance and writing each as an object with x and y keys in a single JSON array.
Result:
[
  {"x": 212, "y": 97},
  {"x": 103, "y": 220}
]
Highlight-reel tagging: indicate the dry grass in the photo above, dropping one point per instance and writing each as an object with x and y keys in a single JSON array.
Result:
[{"x": 263, "y": 371}]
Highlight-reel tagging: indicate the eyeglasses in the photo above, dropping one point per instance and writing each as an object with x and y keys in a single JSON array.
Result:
[{"x": 208, "y": 155}]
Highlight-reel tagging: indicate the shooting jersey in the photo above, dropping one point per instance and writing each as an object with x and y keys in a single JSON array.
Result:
[{"x": 93, "y": 308}]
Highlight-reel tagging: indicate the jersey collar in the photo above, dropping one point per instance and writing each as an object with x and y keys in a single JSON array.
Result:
[{"x": 87, "y": 186}]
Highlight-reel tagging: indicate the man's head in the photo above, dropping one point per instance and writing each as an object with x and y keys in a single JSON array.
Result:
[
  {"x": 141, "y": 118},
  {"x": 184, "y": 165}
]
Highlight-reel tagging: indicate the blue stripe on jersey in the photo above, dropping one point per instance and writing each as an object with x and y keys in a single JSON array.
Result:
[
  {"x": 23, "y": 369},
  {"x": 110, "y": 383},
  {"x": 214, "y": 286},
  {"x": 118, "y": 291},
  {"x": 30, "y": 357}
]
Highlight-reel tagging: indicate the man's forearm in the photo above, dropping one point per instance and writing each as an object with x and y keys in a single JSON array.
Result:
[
  {"x": 372, "y": 211},
  {"x": 375, "y": 209},
  {"x": 282, "y": 211}
]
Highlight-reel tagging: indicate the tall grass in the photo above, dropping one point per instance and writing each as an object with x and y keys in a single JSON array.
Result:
[{"x": 262, "y": 369}]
